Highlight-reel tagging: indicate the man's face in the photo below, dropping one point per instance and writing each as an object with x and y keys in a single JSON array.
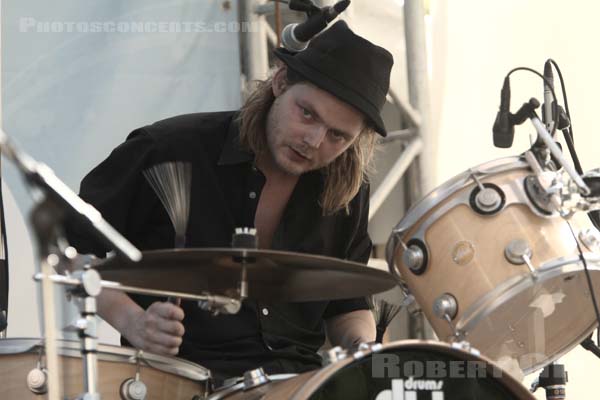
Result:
[{"x": 307, "y": 128}]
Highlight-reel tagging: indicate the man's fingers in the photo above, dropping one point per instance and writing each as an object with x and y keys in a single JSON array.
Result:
[
  {"x": 165, "y": 340},
  {"x": 170, "y": 327},
  {"x": 167, "y": 310},
  {"x": 162, "y": 350}
]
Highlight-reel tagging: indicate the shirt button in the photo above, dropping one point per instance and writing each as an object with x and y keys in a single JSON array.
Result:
[
  {"x": 252, "y": 195},
  {"x": 265, "y": 312}
]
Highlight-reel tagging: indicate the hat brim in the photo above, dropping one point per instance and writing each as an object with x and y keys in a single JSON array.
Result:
[{"x": 334, "y": 87}]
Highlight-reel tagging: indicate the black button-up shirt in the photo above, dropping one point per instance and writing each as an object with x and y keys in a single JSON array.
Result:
[{"x": 225, "y": 189}]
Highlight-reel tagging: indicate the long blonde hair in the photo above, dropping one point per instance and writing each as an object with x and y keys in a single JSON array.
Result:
[{"x": 343, "y": 177}]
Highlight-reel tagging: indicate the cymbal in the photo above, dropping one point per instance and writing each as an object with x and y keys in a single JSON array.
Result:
[{"x": 271, "y": 274}]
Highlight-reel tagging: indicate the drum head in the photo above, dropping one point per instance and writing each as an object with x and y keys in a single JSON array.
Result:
[
  {"x": 529, "y": 322},
  {"x": 413, "y": 370}
]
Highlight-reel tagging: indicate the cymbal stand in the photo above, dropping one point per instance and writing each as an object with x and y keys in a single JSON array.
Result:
[
  {"x": 244, "y": 237},
  {"x": 85, "y": 296}
]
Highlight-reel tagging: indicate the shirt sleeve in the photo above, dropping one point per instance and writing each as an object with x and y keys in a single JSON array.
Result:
[
  {"x": 358, "y": 250},
  {"x": 110, "y": 188}
]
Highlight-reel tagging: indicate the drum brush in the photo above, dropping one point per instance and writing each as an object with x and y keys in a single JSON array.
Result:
[
  {"x": 384, "y": 313},
  {"x": 172, "y": 183}
]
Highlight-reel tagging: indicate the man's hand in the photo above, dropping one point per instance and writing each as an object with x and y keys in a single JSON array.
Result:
[
  {"x": 349, "y": 329},
  {"x": 158, "y": 329}
]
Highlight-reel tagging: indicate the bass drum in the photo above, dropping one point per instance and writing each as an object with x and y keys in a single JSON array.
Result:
[
  {"x": 489, "y": 264},
  {"x": 161, "y": 378},
  {"x": 404, "y": 370}
]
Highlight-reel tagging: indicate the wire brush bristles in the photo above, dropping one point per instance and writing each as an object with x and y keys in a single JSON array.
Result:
[
  {"x": 384, "y": 312},
  {"x": 172, "y": 181}
]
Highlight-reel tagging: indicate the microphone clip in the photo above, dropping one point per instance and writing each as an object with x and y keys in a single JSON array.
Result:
[
  {"x": 305, "y": 6},
  {"x": 526, "y": 111}
]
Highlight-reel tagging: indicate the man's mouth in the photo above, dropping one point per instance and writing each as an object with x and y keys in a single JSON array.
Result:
[{"x": 300, "y": 153}]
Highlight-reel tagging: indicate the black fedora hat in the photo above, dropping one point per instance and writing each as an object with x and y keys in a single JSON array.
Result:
[{"x": 348, "y": 66}]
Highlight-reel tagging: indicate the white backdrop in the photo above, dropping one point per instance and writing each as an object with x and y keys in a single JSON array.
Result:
[{"x": 474, "y": 45}]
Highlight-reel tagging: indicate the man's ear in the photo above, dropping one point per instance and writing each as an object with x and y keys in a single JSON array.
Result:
[{"x": 279, "y": 82}]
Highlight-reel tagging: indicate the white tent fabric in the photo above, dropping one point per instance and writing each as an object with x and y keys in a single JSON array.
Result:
[{"x": 77, "y": 77}]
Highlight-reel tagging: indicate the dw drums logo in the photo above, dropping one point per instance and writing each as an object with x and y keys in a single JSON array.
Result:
[{"x": 408, "y": 389}]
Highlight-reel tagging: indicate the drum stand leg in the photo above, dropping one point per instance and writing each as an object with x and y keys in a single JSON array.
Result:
[{"x": 553, "y": 379}]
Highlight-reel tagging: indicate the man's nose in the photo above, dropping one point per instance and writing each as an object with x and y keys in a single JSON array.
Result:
[{"x": 315, "y": 136}]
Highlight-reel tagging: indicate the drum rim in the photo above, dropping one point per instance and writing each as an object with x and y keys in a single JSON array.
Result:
[
  {"x": 494, "y": 299},
  {"x": 111, "y": 353},
  {"x": 323, "y": 375},
  {"x": 227, "y": 390},
  {"x": 442, "y": 192}
]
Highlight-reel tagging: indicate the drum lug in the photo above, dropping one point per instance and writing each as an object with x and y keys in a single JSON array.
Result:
[
  {"x": 518, "y": 252},
  {"x": 590, "y": 238},
  {"x": 466, "y": 346},
  {"x": 333, "y": 355},
  {"x": 133, "y": 389},
  {"x": 415, "y": 256},
  {"x": 445, "y": 306},
  {"x": 364, "y": 349},
  {"x": 255, "y": 377},
  {"x": 486, "y": 198},
  {"x": 37, "y": 380}
]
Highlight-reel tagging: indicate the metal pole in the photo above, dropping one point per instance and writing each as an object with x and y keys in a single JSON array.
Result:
[
  {"x": 47, "y": 265},
  {"x": 89, "y": 337},
  {"x": 418, "y": 79},
  {"x": 254, "y": 43},
  {"x": 418, "y": 89}
]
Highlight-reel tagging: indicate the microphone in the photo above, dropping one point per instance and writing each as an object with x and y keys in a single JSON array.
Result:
[
  {"x": 547, "y": 113},
  {"x": 504, "y": 130},
  {"x": 295, "y": 37}
]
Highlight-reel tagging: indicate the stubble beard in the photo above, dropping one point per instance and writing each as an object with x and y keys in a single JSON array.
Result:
[{"x": 276, "y": 149}]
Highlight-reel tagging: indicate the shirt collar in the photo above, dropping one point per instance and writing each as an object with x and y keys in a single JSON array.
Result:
[{"x": 232, "y": 152}]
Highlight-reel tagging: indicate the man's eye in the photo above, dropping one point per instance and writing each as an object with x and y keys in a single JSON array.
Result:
[
  {"x": 306, "y": 113},
  {"x": 337, "y": 136}
]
